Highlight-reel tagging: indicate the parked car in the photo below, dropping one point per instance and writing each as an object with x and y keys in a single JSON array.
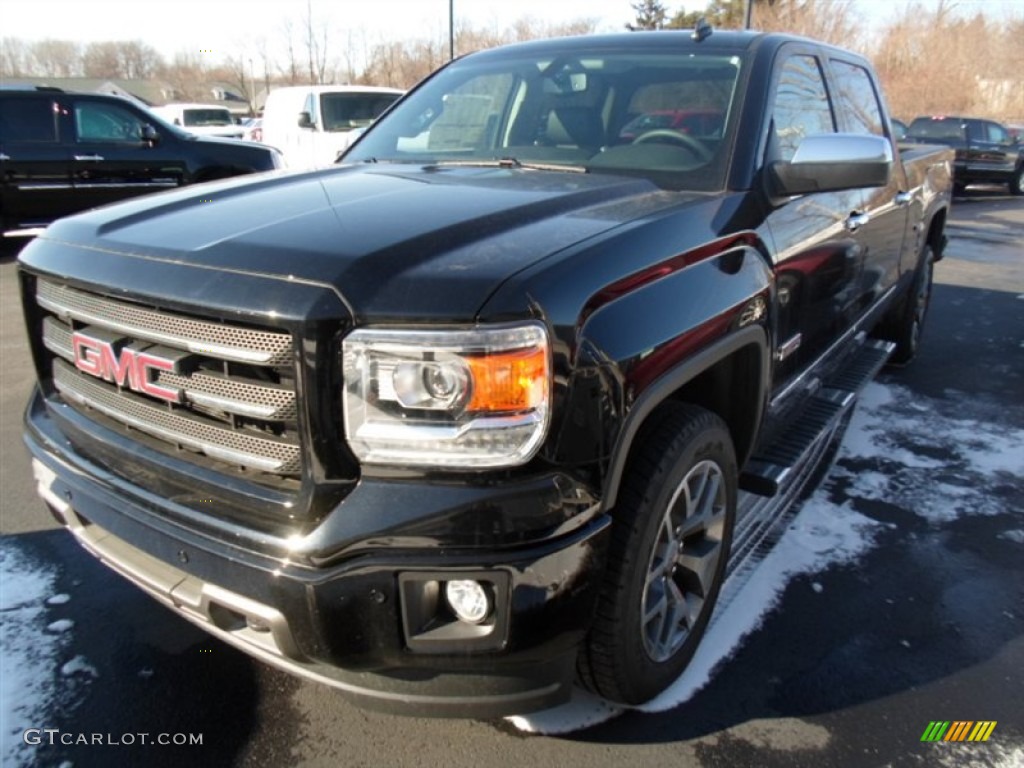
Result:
[
  {"x": 899, "y": 129},
  {"x": 469, "y": 413},
  {"x": 253, "y": 128},
  {"x": 61, "y": 153},
  {"x": 312, "y": 125},
  {"x": 986, "y": 151},
  {"x": 201, "y": 119}
]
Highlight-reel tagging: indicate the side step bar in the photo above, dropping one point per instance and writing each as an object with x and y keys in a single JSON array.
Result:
[{"x": 771, "y": 468}]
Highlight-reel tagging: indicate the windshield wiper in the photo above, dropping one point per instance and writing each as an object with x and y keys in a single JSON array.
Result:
[{"x": 506, "y": 162}]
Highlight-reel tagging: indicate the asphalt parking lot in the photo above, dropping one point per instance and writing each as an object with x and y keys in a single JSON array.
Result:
[{"x": 895, "y": 599}]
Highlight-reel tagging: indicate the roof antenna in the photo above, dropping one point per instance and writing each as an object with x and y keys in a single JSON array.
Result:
[{"x": 702, "y": 30}]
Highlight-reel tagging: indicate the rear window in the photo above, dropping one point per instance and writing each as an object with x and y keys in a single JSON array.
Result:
[
  {"x": 930, "y": 128},
  {"x": 345, "y": 111},
  {"x": 205, "y": 117},
  {"x": 27, "y": 120}
]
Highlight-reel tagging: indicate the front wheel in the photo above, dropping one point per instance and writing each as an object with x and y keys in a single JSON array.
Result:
[
  {"x": 670, "y": 543},
  {"x": 1017, "y": 182}
]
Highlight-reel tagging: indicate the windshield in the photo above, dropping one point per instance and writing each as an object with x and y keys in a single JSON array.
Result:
[
  {"x": 345, "y": 111},
  {"x": 197, "y": 117},
  {"x": 936, "y": 128},
  {"x": 659, "y": 115}
]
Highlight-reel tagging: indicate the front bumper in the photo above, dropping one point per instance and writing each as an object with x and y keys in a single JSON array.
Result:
[{"x": 354, "y": 622}]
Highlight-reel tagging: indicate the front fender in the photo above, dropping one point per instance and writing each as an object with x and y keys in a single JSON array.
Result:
[
  {"x": 641, "y": 346},
  {"x": 676, "y": 379}
]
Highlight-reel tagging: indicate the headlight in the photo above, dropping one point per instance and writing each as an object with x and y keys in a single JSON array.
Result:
[{"x": 477, "y": 398}]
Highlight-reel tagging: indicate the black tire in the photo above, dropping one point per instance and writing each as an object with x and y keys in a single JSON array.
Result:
[
  {"x": 1017, "y": 182},
  {"x": 909, "y": 323},
  {"x": 670, "y": 545}
]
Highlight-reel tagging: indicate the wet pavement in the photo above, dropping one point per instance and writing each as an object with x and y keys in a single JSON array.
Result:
[{"x": 910, "y": 609}]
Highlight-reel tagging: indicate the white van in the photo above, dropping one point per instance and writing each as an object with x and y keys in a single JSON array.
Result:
[
  {"x": 201, "y": 119},
  {"x": 312, "y": 124}
]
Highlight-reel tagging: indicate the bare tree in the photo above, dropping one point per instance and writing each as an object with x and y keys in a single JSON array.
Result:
[
  {"x": 237, "y": 71},
  {"x": 316, "y": 46},
  {"x": 187, "y": 74},
  {"x": 131, "y": 59},
  {"x": 832, "y": 21},
  {"x": 101, "y": 60},
  {"x": 290, "y": 69},
  {"x": 403, "y": 64},
  {"x": 15, "y": 58},
  {"x": 56, "y": 58},
  {"x": 928, "y": 60},
  {"x": 139, "y": 61}
]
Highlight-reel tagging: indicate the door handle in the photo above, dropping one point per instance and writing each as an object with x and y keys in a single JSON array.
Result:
[
  {"x": 856, "y": 220},
  {"x": 91, "y": 158},
  {"x": 903, "y": 198}
]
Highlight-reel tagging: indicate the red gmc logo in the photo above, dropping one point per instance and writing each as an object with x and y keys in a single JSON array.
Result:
[{"x": 128, "y": 369}]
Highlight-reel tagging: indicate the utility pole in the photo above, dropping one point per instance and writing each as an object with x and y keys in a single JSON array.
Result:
[
  {"x": 749, "y": 14},
  {"x": 309, "y": 38},
  {"x": 451, "y": 29}
]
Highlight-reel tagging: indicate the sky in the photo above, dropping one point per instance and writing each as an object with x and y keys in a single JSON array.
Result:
[{"x": 222, "y": 28}]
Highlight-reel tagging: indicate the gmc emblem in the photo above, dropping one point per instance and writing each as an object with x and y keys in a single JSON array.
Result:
[{"x": 130, "y": 368}]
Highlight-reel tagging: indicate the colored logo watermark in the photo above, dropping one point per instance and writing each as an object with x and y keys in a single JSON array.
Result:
[{"x": 958, "y": 730}]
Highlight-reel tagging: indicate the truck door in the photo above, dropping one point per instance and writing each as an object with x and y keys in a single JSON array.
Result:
[
  {"x": 111, "y": 160},
  {"x": 884, "y": 209},
  {"x": 34, "y": 163},
  {"x": 818, "y": 253}
]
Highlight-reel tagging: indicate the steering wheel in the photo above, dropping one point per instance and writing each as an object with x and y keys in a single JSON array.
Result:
[{"x": 684, "y": 140}]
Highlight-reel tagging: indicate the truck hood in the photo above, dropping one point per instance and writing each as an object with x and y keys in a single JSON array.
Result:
[{"x": 396, "y": 241}]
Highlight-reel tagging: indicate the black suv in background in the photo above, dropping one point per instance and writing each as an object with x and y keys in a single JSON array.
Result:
[
  {"x": 61, "y": 153},
  {"x": 986, "y": 152}
]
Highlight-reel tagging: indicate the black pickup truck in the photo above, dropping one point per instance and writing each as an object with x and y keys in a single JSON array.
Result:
[
  {"x": 986, "y": 152},
  {"x": 492, "y": 405},
  {"x": 64, "y": 152}
]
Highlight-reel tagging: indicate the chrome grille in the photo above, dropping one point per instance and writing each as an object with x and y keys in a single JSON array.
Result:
[
  {"x": 220, "y": 398},
  {"x": 226, "y": 342},
  {"x": 231, "y": 395},
  {"x": 234, "y": 447}
]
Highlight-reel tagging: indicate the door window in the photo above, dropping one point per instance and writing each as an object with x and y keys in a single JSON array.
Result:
[
  {"x": 857, "y": 99},
  {"x": 995, "y": 133},
  {"x": 96, "y": 121},
  {"x": 801, "y": 106},
  {"x": 28, "y": 120}
]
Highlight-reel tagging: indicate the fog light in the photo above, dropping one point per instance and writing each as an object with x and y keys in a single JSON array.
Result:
[{"x": 469, "y": 600}]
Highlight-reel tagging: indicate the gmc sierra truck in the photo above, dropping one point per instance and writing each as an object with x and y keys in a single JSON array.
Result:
[
  {"x": 496, "y": 403},
  {"x": 986, "y": 152},
  {"x": 63, "y": 152}
]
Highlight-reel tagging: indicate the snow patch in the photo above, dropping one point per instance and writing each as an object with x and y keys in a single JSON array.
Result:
[
  {"x": 61, "y": 625},
  {"x": 989, "y": 754},
  {"x": 821, "y": 535},
  {"x": 1016, "y": 535},
  {"x": 27, "y": 690},
  {"x": 79, "y": 666},
  {"x": 900, "y": 448}
]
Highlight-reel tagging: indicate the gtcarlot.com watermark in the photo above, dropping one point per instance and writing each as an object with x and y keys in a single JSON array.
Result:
[{"x": 55, "y": 736}]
